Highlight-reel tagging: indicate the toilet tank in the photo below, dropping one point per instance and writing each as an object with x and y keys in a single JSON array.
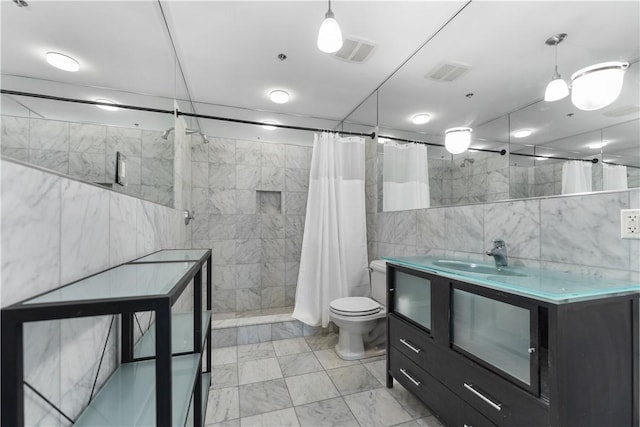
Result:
[{"x": 379, "y": 281}]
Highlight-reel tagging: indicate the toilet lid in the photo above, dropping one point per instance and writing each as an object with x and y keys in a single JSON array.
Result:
[{"x": 355, "y": 305}]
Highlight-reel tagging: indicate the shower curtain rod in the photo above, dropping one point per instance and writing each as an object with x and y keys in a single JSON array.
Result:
[
  {"x": 433, "y": 144},
  {"x": 371, "y": 135}
]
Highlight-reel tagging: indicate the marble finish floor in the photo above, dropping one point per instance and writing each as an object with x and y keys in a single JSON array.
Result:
[{"x": 302, "y": 382}]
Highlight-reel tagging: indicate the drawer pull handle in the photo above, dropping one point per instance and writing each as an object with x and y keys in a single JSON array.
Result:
[
  {"x": 417, "y": 383},
  {"x": 412, "y": 347},
  {"x": 490, "y": 402}
]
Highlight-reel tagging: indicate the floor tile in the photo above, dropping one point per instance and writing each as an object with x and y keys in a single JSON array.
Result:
[
  {"x": 222, "y": 405},
  {"x": 224, "y": 376},
  {"x": 290, "y": 346},
  {"x": 224, "y": 356},
  {"x": 353, "y": 379},
  {"x": 331, "y": 412},
  {"x": 267, "y": 396},
  {"x": 255, "y": 371},
  {"x": 330, "y": 360},
  {"x": 378, "y": 369},
  {"x": 408, "y": 401},
  {"x": 298, "y": 364},
  {"x": 322, "y": 342},
  {"x": 431, "y": 421},
  {"x": 229, "y": 423},
  {"x": 376, "y": 408},
  {"x": 312, "y": 387},
  {"x": 263, "y": 350},
  {"x": 281, "y": 418}
]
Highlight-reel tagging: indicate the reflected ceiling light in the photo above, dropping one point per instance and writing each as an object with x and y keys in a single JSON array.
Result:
[
  {"x": 557, "y": 87},
  {"x": 597, "y": 145},
  {"x": 382, "y": 140},
  {"x": 457, "y": 140},
  {"x": 279, "y": 96},
  {"x": 420, "y": 119},
  {"x": 269, "y": 122},
  {"x": 598, "y": 85},
  {"x": 542, "y": 158},
  {"x": 329, "y": 36},
  {"x": 106, "y": 107},
  {"x": 62, "y": 62},
  {"x": 522, "y": 133}
]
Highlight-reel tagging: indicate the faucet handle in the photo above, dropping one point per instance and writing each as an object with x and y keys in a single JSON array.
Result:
[{"x": 498, "y": 243}]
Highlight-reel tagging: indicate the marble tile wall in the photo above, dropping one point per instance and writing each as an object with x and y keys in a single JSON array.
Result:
[
  {"x": 579, "y": 233},
  {"x": 56, "y": 230},
  {"x": 88, "y": 152},
  {"x": 249, "y": 199}
]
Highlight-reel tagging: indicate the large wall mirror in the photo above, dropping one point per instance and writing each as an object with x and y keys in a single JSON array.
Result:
[
  {"x": 487, "y": 69},
  {"x": 81, "y": 140}
]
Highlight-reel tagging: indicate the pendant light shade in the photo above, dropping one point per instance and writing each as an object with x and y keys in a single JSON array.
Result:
[
  {"x": 598, "y": 85},
  {"x": 457, "y": 140},
  {"x": 557, "y": 87},
  {"x": 329, "y": 36}
]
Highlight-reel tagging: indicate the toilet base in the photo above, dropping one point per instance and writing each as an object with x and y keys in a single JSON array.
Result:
[{"x": 366, "y": 354}]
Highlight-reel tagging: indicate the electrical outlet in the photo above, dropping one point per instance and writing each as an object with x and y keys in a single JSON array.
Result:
[{"x": 630, "y": 223}]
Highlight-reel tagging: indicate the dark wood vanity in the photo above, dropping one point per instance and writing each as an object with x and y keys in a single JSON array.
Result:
[{"x": 481, "y": 356}]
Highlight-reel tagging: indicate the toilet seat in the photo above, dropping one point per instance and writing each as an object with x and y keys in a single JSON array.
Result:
[{"x": 355, "y": 306}]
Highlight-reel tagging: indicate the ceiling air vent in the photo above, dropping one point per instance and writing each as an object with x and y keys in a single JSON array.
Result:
[
  {"x": 448, "y": 71},
  {"x": 622, "y": 111},
  {"x": 355, "y": 50}
]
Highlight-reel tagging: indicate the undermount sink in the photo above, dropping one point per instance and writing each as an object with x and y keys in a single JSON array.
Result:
[{"x": 475, "y": 268}]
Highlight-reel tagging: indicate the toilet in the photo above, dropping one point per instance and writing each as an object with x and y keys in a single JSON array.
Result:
[{"x": 356, "y": 317}]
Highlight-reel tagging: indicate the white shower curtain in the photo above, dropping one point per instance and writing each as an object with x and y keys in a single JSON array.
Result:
[
  {"x": 405, "y": 177},
  {"x": 576, "y": 177},
  {"x": 333, "y": 262},
  {"x": 614, "y": 177}
]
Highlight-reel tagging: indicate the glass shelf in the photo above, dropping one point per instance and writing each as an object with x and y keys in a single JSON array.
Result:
[
  {"x": 129, "y": 397},
  {"x": 543, "y": 285},
  {"x": 181, "y": 335},
  {"x": 125, "y": 281},
  {"x": 169, "y": 255}
]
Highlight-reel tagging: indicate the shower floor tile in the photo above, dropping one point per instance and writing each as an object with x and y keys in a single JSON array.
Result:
[{"x": 302, "y": 382}]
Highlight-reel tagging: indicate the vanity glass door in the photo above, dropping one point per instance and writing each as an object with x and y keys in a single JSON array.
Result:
[
  {"x": 412, "y": 298},
  {"x": 495, "y": 332}
]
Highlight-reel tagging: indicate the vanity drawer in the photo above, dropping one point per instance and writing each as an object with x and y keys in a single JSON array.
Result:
[
  {"x": 454, "y": 411},
  {"x": 496, "y": 398},
  {"x": 410, "y": 341}
]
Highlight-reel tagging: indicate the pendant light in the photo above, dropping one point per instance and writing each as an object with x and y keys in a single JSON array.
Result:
[
  {"x": 457, "y": 140},
  {"x": 598, "y": 85},
  {"x": 329, "y": 36},
  {"x": 557, "y": 87}
]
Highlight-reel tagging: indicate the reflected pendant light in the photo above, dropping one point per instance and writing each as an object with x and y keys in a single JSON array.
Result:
[
  {"x": 557, "y": 87},
  {"x": 457, "y": 140},
  {"x": 329, "y": 36},
  {"x": 598, "y": 85}
]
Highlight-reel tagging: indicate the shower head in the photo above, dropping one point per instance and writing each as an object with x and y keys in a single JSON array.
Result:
[
  {"x": 466, "y": 161},
  {"x": 165, "y": 134}
]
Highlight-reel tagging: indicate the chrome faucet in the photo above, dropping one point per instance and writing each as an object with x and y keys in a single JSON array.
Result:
[{"x": 499, "y": 253}]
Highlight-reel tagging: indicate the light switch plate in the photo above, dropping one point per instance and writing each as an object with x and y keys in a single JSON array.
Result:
[{"x": 630, "y": 223}]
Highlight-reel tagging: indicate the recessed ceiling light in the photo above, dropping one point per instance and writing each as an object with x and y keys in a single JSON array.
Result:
[
  {"x": 597, "y": 145},
  {"x": 106, "y": 107},
  {"x": 420, "y": 119},
  {"x": 269, "y": 122},
  {"x": 279, "y": 96},
  {"x": 522, "y": 133},
  {"x": 62, "y": 62}
]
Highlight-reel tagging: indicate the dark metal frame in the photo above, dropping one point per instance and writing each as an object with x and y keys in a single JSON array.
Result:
[{"x": 14, "y": 316}]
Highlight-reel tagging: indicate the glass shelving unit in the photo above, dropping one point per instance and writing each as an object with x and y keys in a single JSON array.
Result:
[{"x": 161, "y": 376}]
